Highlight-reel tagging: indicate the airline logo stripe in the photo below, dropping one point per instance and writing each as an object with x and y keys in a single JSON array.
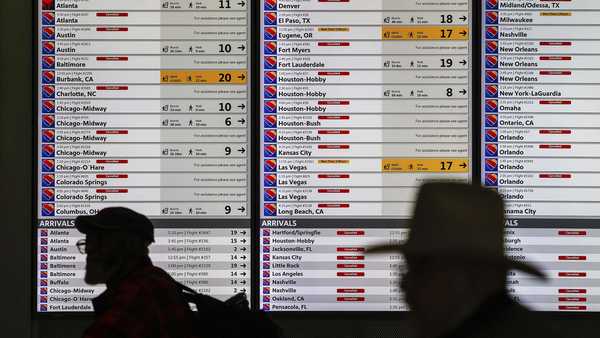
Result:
[
  {"x": 270, "y": 165},
  {"x": 270, "y": 33},
  {"x": 270, "y": 121},
  {"x": 270, "y": 209},
  {"x": 270, "y": 180},
  {"x": 271, "y": 18},
  {"x": 270, "y": 5},
  {"x": 491, "y": 120},
  {"x": 271, "y": 107}
]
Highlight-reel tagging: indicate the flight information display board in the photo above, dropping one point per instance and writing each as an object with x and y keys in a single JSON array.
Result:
[
  {"x": 540, "y": 143},
  {"x": 361, "y": 102},
  {"x": 144, "y": 104}
]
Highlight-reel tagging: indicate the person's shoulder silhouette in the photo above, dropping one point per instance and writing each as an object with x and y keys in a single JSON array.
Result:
[
  {"x": 141, "y": 300},
  {"x": 456, "y": 269}
]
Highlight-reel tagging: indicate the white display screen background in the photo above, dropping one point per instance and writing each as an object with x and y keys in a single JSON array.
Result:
[
  {"x": 144, "y": 104},
  {"x": 361, "y": 102}
]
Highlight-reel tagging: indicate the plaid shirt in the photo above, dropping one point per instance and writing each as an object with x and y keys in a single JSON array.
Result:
[{"x": 144, "y": 304}]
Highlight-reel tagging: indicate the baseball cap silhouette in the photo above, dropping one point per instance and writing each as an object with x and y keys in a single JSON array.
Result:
[{"x": 117, "y": 219}]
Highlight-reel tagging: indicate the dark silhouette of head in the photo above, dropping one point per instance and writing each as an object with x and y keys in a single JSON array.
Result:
[
  {"x": 116, "y": 239},
  {"x": 454, "y": 254}
]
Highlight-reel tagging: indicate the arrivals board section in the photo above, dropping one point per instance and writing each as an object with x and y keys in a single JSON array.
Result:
[
  {"x": 322, "y": 266},
  {"x": 144, "y": 104},
  {"x": 361, "y": 102},
  {"x": 211, "y": 260},
  {"x": 540, "y": 136}
]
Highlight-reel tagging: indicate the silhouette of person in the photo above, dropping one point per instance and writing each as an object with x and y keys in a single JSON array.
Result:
[
  {"x": 455, "y": 275},
  {"x": 141, "y": 300}
]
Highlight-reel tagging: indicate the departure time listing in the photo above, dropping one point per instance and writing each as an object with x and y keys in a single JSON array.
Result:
[
  {"x": 361, "y": 102},
  {"x": 144, "y": 104}
]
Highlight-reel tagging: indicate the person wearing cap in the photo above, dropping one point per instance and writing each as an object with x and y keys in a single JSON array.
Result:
[
  {"x": 455, "y": 274},
  {"x": 141, "y": 300}
]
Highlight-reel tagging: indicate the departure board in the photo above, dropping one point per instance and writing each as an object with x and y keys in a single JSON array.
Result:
[
  {"x": 149, "y": 104},
  {"x": 540, "y": 133},
  {"x": 144, "y": 104},
  {"x": 361, "y": 102}
]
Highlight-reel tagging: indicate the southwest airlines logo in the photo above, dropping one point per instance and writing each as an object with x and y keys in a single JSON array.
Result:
[
  {"x": 491, "y": 106},
  {"x": 491, "y": 120},
  {"x": 491, "y": 149},
  {"x": 271, "y": 18},
  {"x": 270, "y": 209},
  {"x": 48, "y": 18},
  {"x": 270, "y": 33},
  {"x": 48, "y": 33},
  {"x": 48, "y": 76},
  {"x": 491, "y": 179},
  {"x": 491, "y": 47},
  {"x": 270, "y": 166},
  {"x": 270, "y": 62},
  {"x": 491, "y": 135},
  {"x": 270, "y": 135},
  {"x": 48, "y": 194},
  {"x": 271, "y": 107},
  {"x": 491, "y": 18},
  {"x": 491, "y": 32},
  {"x": 48, "y": 92},
  {"x": 48, "y": 135},
  {"x": 491, "y": 76},
  {"x": 48, "y": 165},
  {"x": 48, "y": 150},
  {"x": 270, "y": 5},
  {"x": 270, "y": 121},
  {"x": 491, "y": 61},
  {"x": 48, "y": 121},
  {"x": 271, "y": 77},
  {"x": 270, "y": 150},
  {"x": 47, "y": 209},
  {"x": 271, "y": 48},
  {"x": 270, "y": 194},
  {"x": 48, "y": 106},
  {"x": 48, "y": 47},
  {"x": 48, "y": 180},
  {"x": 491, "y": 164},
  {"x": 270, "y": 180},
  {"x": 271, "y": 92},
  {"x": 491, "y": 91},
  {"x": 48, "y": 62},
  {"x": 491, "y": 4}
]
